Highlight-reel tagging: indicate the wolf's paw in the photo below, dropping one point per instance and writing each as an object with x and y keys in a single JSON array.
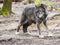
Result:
[
  {"x": 41, "y": 36},
  {"x": 17, "y": 33}
]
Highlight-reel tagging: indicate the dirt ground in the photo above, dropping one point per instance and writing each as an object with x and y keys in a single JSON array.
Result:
[
  {"x": 8, "y": 27},
  {"x": 10, "y": 38}
]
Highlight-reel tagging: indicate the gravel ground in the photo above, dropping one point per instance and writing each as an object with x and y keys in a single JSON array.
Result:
[{"x": 10, "y": 38}]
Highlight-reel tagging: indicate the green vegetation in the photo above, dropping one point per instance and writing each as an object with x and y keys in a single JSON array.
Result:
[
  {"x": 37, "y": 2},
  {"x": 58, "y": 9},
  {"x": 6, "y": 9},
  {"x": 48, "y": 2}
]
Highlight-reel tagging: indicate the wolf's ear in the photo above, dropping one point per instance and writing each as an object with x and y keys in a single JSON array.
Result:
[{"x": 43, "y": 6}]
